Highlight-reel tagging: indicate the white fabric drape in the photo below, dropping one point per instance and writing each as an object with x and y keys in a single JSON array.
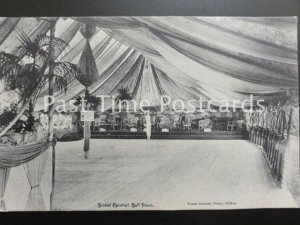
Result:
[
  {"x": 218, "y": 57},
  {"x": 30, "y": 26},
  {"x": 187, "y": 59},
  {"x": 4, "y": 174},
  {"x": 121, "y": 22},
  {"x": 263, "y": 72},
  {"x": 259, "y": 57},
  {"x": 6, "y": 26},
  {"x": 34, "y": 171}
]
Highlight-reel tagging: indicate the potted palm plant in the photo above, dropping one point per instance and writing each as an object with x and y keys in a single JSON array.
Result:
[
  {"x": 123, "y": 97},
  {"x": 27, "y": 69}
]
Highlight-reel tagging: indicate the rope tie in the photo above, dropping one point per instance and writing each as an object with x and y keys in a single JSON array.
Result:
[{"x": 35, "y": 186}]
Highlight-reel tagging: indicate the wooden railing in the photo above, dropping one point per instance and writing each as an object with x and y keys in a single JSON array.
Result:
[{"x": 273, "y": 146}]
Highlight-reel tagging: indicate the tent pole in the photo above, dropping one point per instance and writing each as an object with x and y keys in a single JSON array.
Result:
[
  {"x": 87, "y": 130},
  {"x": 50, "y": 108}
]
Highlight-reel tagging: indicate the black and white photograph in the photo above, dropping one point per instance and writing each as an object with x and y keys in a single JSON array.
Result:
[{"x": 149, "y": 113}]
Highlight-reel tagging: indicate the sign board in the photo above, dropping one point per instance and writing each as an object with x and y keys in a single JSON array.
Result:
[
  {"x": 87, "y": 116},
  {"x": 207, "y": 130}
]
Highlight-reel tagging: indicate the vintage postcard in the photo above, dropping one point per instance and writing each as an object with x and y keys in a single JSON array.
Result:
[{"x": 148, "y": 113}]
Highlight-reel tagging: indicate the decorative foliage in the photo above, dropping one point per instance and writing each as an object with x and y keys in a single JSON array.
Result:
[
  {"x": 8, "y": 107},
  {"x": 31, "y": 77},
  {"x": 123, "y": 95},
  {"x": 63, "y": 73},
  {"x": 92, "y": 101},
  {"x": 9, "y": 67},
  {"x": 34, "y": 49},
  {"x": 8, "y": 100},
  {"x": 6, "y": 116}
]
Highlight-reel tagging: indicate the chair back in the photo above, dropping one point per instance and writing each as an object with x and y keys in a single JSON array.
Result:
[{"x": 229, "y": 123}]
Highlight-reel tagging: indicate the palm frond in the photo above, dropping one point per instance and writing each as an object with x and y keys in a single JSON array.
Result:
[
  {"x": 42, "y": 55},
  {"x": 21, "y": 51},
  {"x": 66, "y": 69},
  {"x": 123, "y": 94},
  {"x": 58, "y": 44},
  {"x": 64, "y": 73},
  {"x": 60, "y": 83},
  {"x": 8, "y": 65},
  {"x": 8, "y": 56},
  {"x": 27, "y": 47},
  {"x": 28, "y": 79},
  {"x": 23, "y": 38},
  {"x": 28, "y": 68},
  {"x": 31, "y": 48}
]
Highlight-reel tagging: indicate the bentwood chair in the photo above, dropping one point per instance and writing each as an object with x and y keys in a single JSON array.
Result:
[
  {"x": 97, "y": 124},
  {"x": 214, "y": 124},
  {"x": 187, "y": 124},
  {"x": 231, "y": 125}
]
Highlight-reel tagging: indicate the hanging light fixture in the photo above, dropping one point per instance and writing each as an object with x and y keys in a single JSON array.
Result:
[{"x": 87, "y": 64}]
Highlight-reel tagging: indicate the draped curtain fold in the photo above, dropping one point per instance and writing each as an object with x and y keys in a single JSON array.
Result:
[
  {"x": 34, "y": 171},
  {"x": 34, "y": 155},
  {"x": 121, "y": 22},
  {"x": 4, "y": 174},
  {"x": 6, "y": 27},
  {"x": 12, "y": 156},
  {"x": 221, "y": 58},
  {"x": 188, "y": 60},
  {"x": 264, "y": 61}
]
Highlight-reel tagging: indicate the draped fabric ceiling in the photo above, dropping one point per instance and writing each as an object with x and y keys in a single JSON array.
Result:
[{"x": 183, "y": 57}]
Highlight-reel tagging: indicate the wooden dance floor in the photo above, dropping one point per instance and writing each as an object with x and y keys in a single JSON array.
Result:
[{"x": 162, "y": 174}]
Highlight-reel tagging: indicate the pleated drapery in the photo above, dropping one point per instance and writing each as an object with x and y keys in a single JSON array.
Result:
[
  {"x": 220, "y": 58},
  {"x": 4, "y": 174},
  {"x": 245, "y": 62},
  {"x": 7, "y": 27},
  {"x": 34, "y": 155},
  {"x": 12, "y": 156},
  {"x": 34, "y": 171}
]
